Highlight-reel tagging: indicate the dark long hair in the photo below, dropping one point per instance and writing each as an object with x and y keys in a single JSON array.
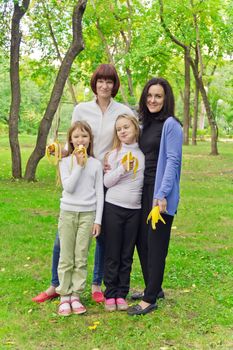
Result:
[{"x": 168, "y": 109}]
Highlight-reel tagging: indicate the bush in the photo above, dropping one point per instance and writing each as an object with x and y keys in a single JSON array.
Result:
[
  {"x": 3, "y": 128},
  {"x": 29, "y": 124}
]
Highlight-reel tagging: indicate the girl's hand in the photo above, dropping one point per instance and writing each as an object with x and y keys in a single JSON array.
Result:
[
  {"x": 131, "y": 165},
  {"x": 96, "y": 230},
  {"x": 106, "y": 164},
  {"x": 80, "y": 157}
]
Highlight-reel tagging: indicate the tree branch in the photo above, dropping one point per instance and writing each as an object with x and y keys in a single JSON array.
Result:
[
  {"x": 198, "y": 45},
  {"x": 55, "y": 43},
  {"x": 167, "y": 30}
]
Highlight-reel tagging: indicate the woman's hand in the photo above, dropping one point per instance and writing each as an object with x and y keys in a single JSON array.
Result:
[
  {"x": 96, "y": 230},
  {"x": 162, "y": 203},
  {"x": 64, "y": 153}
]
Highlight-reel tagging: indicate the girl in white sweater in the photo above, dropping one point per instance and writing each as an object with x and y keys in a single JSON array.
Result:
[
  {"x": 81, "y": 209},
  {"x": 124, "y": 181}
]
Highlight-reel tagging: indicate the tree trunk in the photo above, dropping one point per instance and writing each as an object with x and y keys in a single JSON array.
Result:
[
  {"x": 195, "y": 115},
  {"x": 186, "y": 96},
  {"x": 211, "y": 120},
  {"x": 196, "y": 100},
  {"x": 130, "y": 82},
  {"x": 202, "y": 117},
  {"x": 53, "y": 132},
  {"x": 76, "y": 47},
  {"x": 19, "y": 12}
]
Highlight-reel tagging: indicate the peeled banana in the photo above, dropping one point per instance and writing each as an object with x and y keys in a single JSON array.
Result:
[
  {"x": 53, "y": 152},
  {"x": 80, "y": 149},
  {"x": 128, "y": 158},
  {"x": 155, "y": 216}
]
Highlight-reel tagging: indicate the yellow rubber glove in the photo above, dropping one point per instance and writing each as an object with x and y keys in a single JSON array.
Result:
[{"x": 155, "y": 216}]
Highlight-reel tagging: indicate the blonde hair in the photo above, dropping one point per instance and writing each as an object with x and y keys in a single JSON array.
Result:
[
  {"x": 116, "y": 142},
  {"x": 83, "y": 126}
]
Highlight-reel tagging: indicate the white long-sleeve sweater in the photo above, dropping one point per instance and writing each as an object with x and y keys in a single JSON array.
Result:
[
  {"x": 124, "y": 189},
  {"x": 82, "y": 186},
  {"x": 102, "y": 124}
]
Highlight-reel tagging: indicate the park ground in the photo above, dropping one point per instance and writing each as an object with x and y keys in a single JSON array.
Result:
[{"x": 198, "y": 310}]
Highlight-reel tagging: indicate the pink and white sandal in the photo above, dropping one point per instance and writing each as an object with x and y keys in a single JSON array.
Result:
[
  {"x": 64, "y": 308},
  {"x": 77, "y": 307}
]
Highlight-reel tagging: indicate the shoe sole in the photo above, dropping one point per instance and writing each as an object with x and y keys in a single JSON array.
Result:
[
  {"x": 98, "y": 301},
  {"x": 110, "y": 310},
  {"x": 64, "y": 315},
  {"x": 79, "y": 312},
  {"x": 122, "y": 308}
]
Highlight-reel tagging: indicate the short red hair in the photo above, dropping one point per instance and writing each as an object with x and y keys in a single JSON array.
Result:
[{"x": 106, "y": 71}]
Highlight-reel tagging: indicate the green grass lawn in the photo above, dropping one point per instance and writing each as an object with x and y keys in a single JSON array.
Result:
[{"x": 198, "y": 310}]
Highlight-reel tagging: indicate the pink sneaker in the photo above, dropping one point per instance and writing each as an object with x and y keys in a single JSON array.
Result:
[
  {"x": 110, "y": 304},
  {"x": 121, "y": 304}
]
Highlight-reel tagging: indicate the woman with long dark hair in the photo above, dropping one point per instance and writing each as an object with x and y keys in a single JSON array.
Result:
[{"x": 161, "y": 142}]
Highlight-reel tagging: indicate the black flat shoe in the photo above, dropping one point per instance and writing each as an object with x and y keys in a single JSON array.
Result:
[
  {"x": 139, "y": 295},
  {"x": 138, "y": 310}
]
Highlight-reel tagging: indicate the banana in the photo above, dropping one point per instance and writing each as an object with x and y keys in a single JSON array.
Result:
[
  {"x": 53, "y": 152},
  {"x": 128, "y": 158},
  {"x": 80, "y": 149},
  {"x": 155, "y": 216}
]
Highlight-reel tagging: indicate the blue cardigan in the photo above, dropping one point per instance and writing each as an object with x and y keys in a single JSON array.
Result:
[{"x": 167, "y": 179}]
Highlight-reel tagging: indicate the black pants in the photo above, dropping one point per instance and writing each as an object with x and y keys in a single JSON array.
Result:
[
  {"x": 158, "y": 242},
  {"x": 121, "y": 226},
  {"x": 142, "y": 237}
]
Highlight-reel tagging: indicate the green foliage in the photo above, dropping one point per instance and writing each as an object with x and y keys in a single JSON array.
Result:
[
  {"x": 4, "y": 88},
  {"x": 149, "y": 53},
  {"x": 3, "y": 129},
  {"x": 35, "y": 92},
  {"x": 196, "y": 313}
]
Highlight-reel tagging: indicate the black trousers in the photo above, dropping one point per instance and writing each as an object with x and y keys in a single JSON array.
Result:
[
  {"x": 121, "y": 226},
  {"x": 158, "y": 242},
  {"x": 152, "y": 246},
  {"x": 142, "y": 237}
]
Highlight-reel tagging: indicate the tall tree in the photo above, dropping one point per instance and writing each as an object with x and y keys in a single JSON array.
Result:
[
  {"x": 75, "y": 48},
  {"x": 196, "y": 105},
  {"x": 19, "y": 12},
  {"x": 198, "y": 74}
]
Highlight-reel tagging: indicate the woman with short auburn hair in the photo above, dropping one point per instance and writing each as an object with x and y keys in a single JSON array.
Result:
[
  {"x": 106, "y": 71},
  {"x": 101, "y": 114}
]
